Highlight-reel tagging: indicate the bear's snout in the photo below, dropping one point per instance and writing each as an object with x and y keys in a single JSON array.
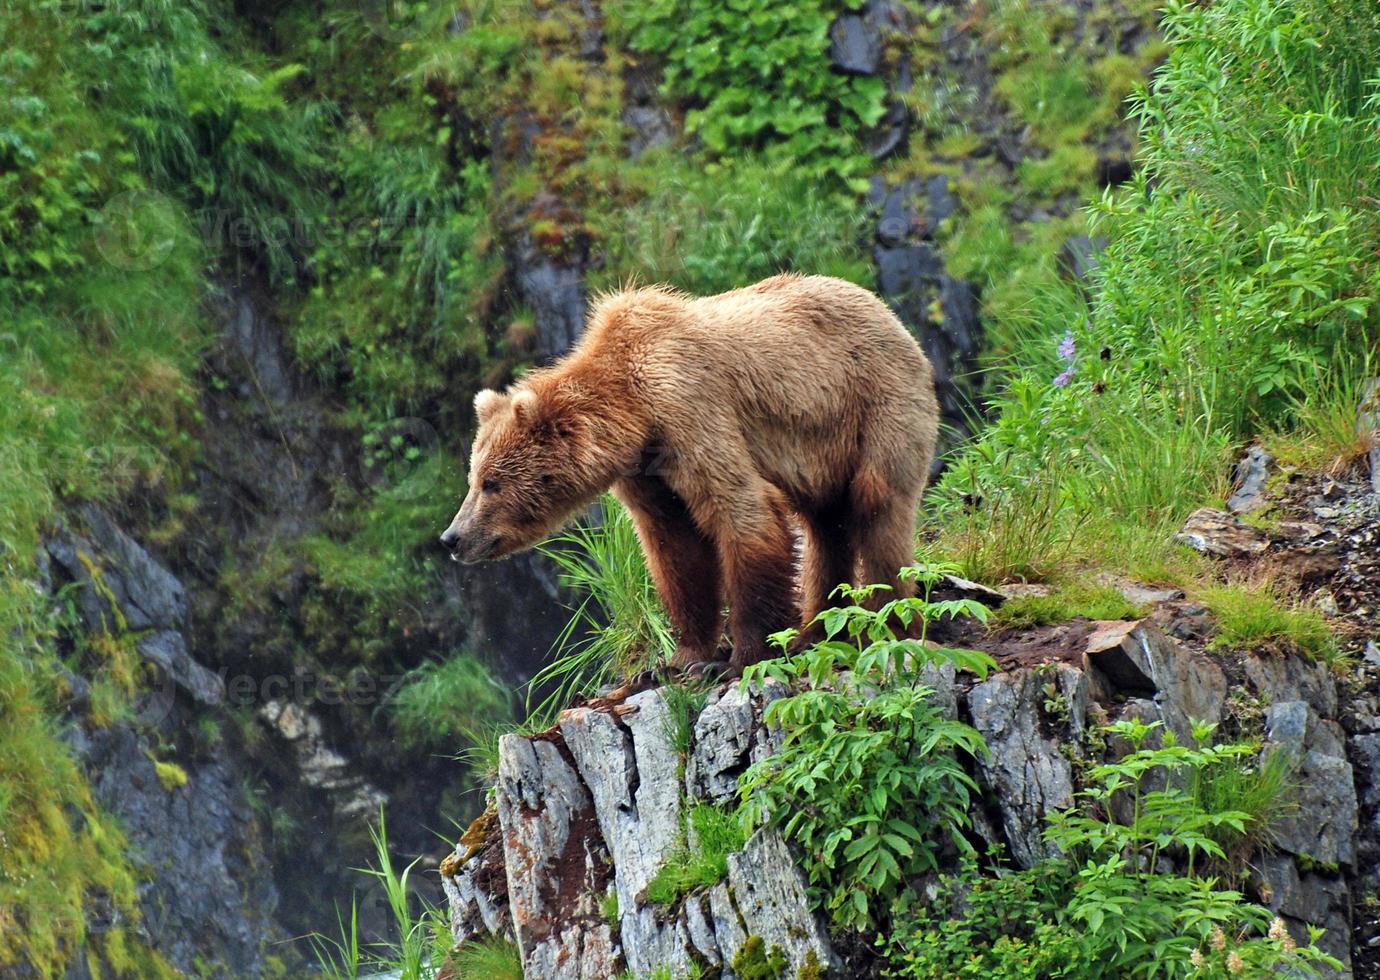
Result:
[{"x": 467, "y": 543}]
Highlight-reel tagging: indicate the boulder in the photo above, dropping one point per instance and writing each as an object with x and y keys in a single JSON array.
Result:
[
  {"x": 557, "y": 866},
  {"x": 1218, "y": 533},
  {"x": 125, "y": 590}
]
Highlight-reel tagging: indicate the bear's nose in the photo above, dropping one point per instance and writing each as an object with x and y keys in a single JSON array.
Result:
[{"x": 450, "y": 538}]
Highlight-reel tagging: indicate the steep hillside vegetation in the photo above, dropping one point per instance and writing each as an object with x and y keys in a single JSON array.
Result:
[{"x": 256, "y": 258}]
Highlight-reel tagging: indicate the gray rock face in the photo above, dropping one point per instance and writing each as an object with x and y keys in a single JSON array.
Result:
[
  {"x": 1248, "y": 495},
  {"x": 728, "y": 738},
  {"x": 1323, "y": 828},
  {"x": 555, "y": 875},
  {"x": 126, "y": 590},
  {"x": 209, "y": 894},
  {"x": 855, "y": 45},
  {"x": 556, "y": 294},
  {"x": 595, "y": 806},
  {"x": 1030, "y": 777},
  {"x": 1135, "y": 659}
]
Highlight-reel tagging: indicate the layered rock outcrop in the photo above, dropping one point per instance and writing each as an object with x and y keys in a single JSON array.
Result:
[{"x": 587, "y": 812}]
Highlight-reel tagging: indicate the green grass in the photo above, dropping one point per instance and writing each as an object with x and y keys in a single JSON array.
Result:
[
  {"x": 1261, "y": 618},
  {"x": 713, "y": 835},
  {"x": 440, "y": 704},
  {"x": 1261, "y": 788},
  {"x": 1086, "y": 599},
  {"x": 488, "y": 959},
  {"x": 618, "y": 624}
]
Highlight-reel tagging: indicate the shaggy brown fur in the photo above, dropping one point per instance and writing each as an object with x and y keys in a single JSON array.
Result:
[{"x": 721, "y": 423}]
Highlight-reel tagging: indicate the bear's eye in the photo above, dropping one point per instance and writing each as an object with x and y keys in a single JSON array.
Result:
[
  {"x": 547, "y": 479},
  {"x": 489, "y": 486}
]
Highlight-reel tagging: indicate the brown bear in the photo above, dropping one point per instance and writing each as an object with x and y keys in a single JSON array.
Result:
[{"x": 722, "y": 424}]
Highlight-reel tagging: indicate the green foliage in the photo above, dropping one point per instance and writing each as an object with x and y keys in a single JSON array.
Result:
[
  {"x": 757, "y": 77},
  {"x": 1261, "y": 618},
  {"x": 1106, "y": 907},
  {"x": 1235, "y": 281},
  {"x": 443, "y": 702},
  {"x": 754, "y": 961},
  {"x": 419, "y": 941},
  {"x": 709, "y": 232},
  {"x": 1080, "y": 598},
  {"x": 713, "y": 835},
  {"x": 619, "y": 624},
  {"x": 868, "y": 781},
  {"x": 488, "y": 959}
]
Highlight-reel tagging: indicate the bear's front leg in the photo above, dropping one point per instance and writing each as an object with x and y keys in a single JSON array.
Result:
[
  {"x": 758, "y": 553},
  {"x": 683, "y": 563}
]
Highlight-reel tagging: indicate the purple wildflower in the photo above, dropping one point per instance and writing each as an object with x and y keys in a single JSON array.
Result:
[
  {"x": 1064, "y": 378},
  {"x": 1067, "y": 350}
]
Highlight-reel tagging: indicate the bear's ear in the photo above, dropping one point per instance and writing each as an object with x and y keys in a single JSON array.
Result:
[
  {"x": 525, "y": 405},
  {"x": 487, "y": 402}
]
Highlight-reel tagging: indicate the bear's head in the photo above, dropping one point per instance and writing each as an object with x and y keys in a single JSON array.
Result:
[{"x": 529, "y": 474}]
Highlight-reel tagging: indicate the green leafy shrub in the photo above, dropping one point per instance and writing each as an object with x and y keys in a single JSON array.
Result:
[
  {"x": 868, "y": 781},
  {"x": 757, "y": 77},
  {"x": 1107, "y": 907}
]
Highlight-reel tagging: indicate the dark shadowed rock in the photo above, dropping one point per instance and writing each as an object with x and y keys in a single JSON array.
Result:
[
  {"x": 649, "y": 126},
  {"x": 855, "y": 44},
  {"x": 555, "y": 292},
  {"x": 208, "y": 894},
  {"x": 1029, "y": 776},
  {"x": 940, "y": 310}
]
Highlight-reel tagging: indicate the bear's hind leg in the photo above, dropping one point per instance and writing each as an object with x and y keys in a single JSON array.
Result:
[
  {"x": 884, "y": 535},
  {"x": 828, "y": 563},
  {"x": 683, "y": 563},
  {"x": 757, "y": 552}
]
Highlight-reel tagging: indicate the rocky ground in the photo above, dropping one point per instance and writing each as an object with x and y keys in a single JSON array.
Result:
[{"x": 593, "y": 807}]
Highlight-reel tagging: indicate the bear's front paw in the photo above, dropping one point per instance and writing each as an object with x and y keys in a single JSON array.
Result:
[{"x": 711, "y": 671}]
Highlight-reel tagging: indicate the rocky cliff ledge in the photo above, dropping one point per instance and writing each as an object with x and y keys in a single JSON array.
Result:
[{"x": 584, "y": 814}]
